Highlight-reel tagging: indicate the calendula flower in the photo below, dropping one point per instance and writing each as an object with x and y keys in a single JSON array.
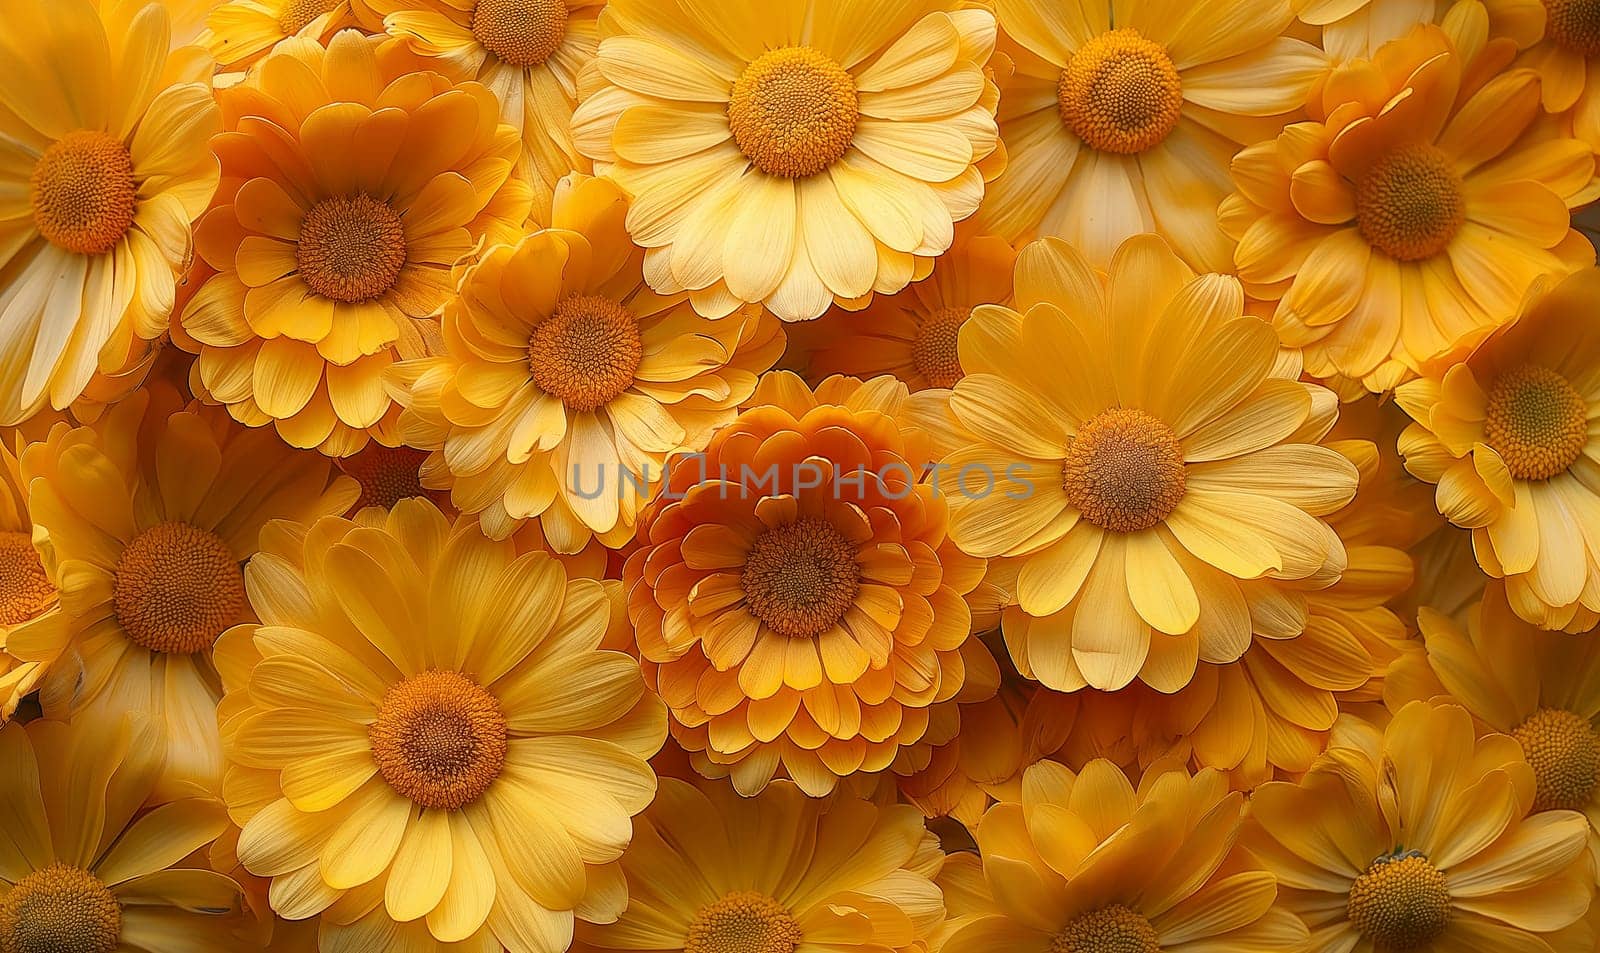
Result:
[
  {"x": 103, "y": 165},
  {"x": 353, "y": 184},
  {"x": 564, "y": 382},
  {"x": 1411, "y": 219},
  {"x": 1129, "y": 439},
  {"x": 238, "y": 33},
  {"x": 431, "y": 740},
  {"x": 797, "y": 155}
]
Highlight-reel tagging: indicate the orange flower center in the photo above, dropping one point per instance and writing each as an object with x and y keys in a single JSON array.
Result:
[
  {"x": 439, "y": 739},
  {"x": 1536, "y": 421},
  {"x": 351, "y": 249},
  {"x": 793, "y": 112},
  {"x": 800, "y": 579},
  {"x": 177, "y": 588},
  {"x": 520, "y": 32},
  {"x": 1113, "y": 929},
  {"x": 1409, "y": 205},
  {"x": 1124, "y": 470},
  {"x": 298, "y": 14},
  {"x": 1564, "y": 753},
  {"x": 387, "y": 475},
  {"x": 934, "y": 352},
  {"x": 743, "y": 922},
  {"x": 1574, "y": 24},
  {"x": 587, "y": 351},
  {"x": 1401, "y": 903},
  {"x": 59, "y": 909},
  {"x": 84, "y": 193},
  {"x": 1120, "y": 93},
  {"x": 25, "y": 591}
]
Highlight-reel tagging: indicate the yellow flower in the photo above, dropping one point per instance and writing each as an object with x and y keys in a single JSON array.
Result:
[
  {"x": 28, "y": 597},
  {"x": 147, "y": 518},
  {"x": 1121, "y": 118},
  {"x": 711, "y": 872},
  {"x": 1510, "y": 438},
  {"x": 1355, "y": 29},
  {"x": 1087, "y": 864},
  {"x": 1411, "y": 219},
  {"x": 87, "y": 868},
  {"x": 103, "y": 165},
  {"x": 1419, "y": 838},
  {"x": 795, "y": 153},
  {"x": 1133, "y": 441},
  {"x": 1562, "y": 41},
  {"x": 432, "y": 740},
  {"x": 240, "y": 32},
  {"x": 388, "y": 475},
  {"x": 564, "y": 382},
  {"x": 353, "y": 184}
]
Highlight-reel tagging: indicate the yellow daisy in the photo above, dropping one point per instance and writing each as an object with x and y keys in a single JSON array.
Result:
[
  {"x": 796, "y": 153},
  {"x": 1121, "y": 118},
  {"x": 1354, "y": 29},
  {"x": 28, "y": 597},
  {"x": 240, "y": 32},
  {"x": 564, "y": 382},
  {"x": 103, "y": 165},
  {"x": 431, "y": 741},
  {"x": 1410, "y": 220},
  {"x": 1562, "y": 38},
  {"x": 1132, "y": 441}
]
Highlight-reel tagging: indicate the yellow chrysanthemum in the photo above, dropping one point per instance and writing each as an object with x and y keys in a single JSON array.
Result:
[
  {"x": 564, "y": 382},
  {"x": 28, "y": 597},
  {"x": 147, "y": 518},
  {"x": 1512, "y": 438},
  {"x": 1411, "y": 219},
  {"x": 1562, "y": 38},
  {"x": 240, "y": 32},
  {"x": 1121, "y": 118},
  {"x": 531, "y": 53},
  {"x": 798, "y": 153},
  {"x": 1133, "y": 442},
  {"x": 1087, "y": 864},
  {"x": 87, "y": 868},
  {"x": 431, "y": 741},
  {"x": 711, "y": 872},
  {"x": 1419, "y": 838},
  {"x": 353, "y": 183},
  {"x": 103, "y": 165}
]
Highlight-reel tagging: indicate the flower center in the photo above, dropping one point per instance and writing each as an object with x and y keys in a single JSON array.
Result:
[
  {"x": 298, "y": 14},
  {"x": 177, "y": 588},
  {"x": 1564, "y": 753},
  {"x": 800, "y": 579},
  {"x": 351, "y": 249},
  {"x": 439, "y": 739},
  {"x": 520, "y": 32},
  {"x": 1408, "y": 205},
  {"x": 1574, "y": 24},
  {"x": 84, "y": 193},
  {"x": 586, "y": 352},
  {"x": 59, "y": 909},
  {"x": 934, "y": 352},
  {"x": 743, "y": 922},
  {"x": 25, "y": 591},
  {"x": 793, "y": 112},
  {"x": 387, "y": 475},
  {"x": 1124, "y": 470},
  {"x": 1113, "y": 929},
  {"x": 1120, "y": 93},
  {"x": 1400, "y": 903},
  {"x": 1536, "y": 421}
]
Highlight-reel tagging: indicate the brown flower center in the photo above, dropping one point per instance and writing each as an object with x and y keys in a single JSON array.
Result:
[
  {"x": 1564, "y": 753},
  {"x": 934, "y": 352},
  {"x": 1124, "y": 470},
  {"x": 177, "y": 588},
  {"x": 84, "y": 193},
  {"x": 793, "y": 112},
  {"x": 439, "y": 739},
  {"x": 520, "y": 32},
  {"x": 1574, "y": 24},
  {"x": 1536, "y": 421},
  {"x": 25, "y": 591},
  {"x": 743, "y": 922},
  {"x": 1409, "y": 205},
  {"x": 351, "y": 249},
  {"x": 387, "y": 475},
  {"x": 1113, "y": 929},
  {"x": 1120, "y": 93},
  {"x": 298, "y": 14},
  {"x": 1401, "y": 903},
  {"x": 586, "y": 352},
  {"x": 800, "y": 579},
  {"x": 59, "y": 909}
]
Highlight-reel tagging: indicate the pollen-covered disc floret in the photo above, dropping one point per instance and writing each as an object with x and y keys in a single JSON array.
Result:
[
  {"x": 177, "y": 588},
  {"x": 59, "y": 909},
  {"x": 1120, "y": 93},
  {"x": 793, "y": 112},
  {"x": 1124, "y": 470},
  {"x": 1537, "y": 421},
  {"x": 586, "y": 352},
  {"x": 1564, "y": 752},
  {"x": 439, "y": 739},
  {"x": 934, "y": 350},
  {"x": 1113, "y": 929},
  {"x": 1400, "y": 903},
  {"x": 800, "y": 579},
  {"x": 1409, "y": 204},
  {"x": 351, "y": 248},
  {"x": 298, "y": 14},
  {"x": 743, "y": 922},
  {"x": 520, "y": 32},
  {"x": 83, "y": 192},
  {"x": 1574, "y": 24},
  {"x": 25, "y": 590}
]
